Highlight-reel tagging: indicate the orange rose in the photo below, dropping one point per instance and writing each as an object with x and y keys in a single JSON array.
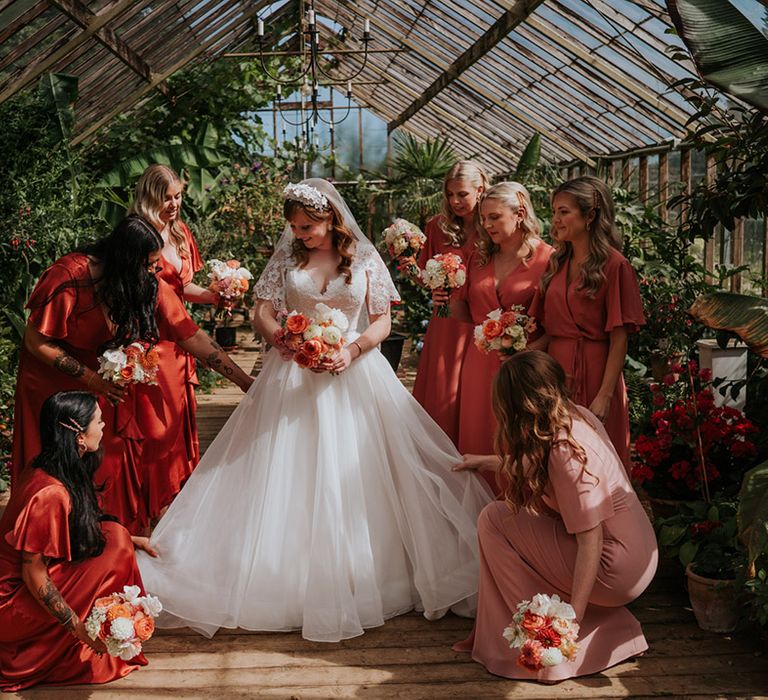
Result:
[
  {"x": 492, "y": 329},
  {"x": 119, "y": 611},
  {"x": 132, "y": 351},
  {"x": 292, "y": 341},
  {"x": 304, "y": 360},
  {"x": 508, "y": 318},
  {"x": 105, "y": 602},
  {"x": 144, "y": 628},
  {"x": 313, "y": 348},
  {"x": 234, "y": 264},
  {"x": 127, "y": 372},
  {"x": 297, "y": 323},
  {"x": 151, "y": 358},
  {"x": 244, "y": 285},
  {"x": 533, "y": 623}
]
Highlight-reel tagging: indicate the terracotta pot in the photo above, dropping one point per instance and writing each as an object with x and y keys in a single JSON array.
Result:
[{"x": 715, "y": 602}]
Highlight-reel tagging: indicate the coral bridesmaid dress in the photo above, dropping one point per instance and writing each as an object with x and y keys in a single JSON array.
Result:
[
  {"x": 166, "y": 413},
  {"x": 71, "y": 316},
  {"x": 477, "y": 424},
  {"x": 524, "y": 554},
  {"x": 579, "y": 330},
  {"x": 34, "y": 648},
  {"x": 446, "y": 341}
]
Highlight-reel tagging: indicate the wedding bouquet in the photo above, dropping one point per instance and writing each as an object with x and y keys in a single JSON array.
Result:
[
  {"x": 136, "y": 363},
  {"x": 506, "y": 332},
  {"x": 313, "y": 339},
  {"x": 545, "y": 630},
  {"x": 228, "y": 279},
  {"x": 123, "y": 621},
  {"x": 403, "y": 241},
  {"x": 444, "y": 271}
]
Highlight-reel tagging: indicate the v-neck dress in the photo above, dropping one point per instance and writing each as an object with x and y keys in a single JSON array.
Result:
[
  {"x": 63, "y": 308},
  {"x": 579, "y": 329},
  {"x": 447, "y": 339},
  {"x": 167, "y": 412},
  {"x": 477, "y": 424}
]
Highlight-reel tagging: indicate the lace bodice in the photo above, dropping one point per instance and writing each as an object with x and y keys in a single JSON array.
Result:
[{"x": 291, "y": 288}]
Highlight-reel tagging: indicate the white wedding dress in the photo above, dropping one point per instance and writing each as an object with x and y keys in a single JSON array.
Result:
[{"x": 326, "y": 503}]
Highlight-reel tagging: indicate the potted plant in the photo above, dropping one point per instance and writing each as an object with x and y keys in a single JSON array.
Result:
[
  {"x": 704, "y": 538},
  {"x": 692, "y": 448}
]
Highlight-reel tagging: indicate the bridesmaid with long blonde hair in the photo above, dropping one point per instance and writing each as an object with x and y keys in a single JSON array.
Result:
[
  {"x": 452, "y": 231},
  {"x": 166, "y": 412},
  {"x": 590, "y": 302}
]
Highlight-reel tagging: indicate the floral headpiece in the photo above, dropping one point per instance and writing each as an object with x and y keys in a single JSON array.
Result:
[{"x": 306, "y": 194}]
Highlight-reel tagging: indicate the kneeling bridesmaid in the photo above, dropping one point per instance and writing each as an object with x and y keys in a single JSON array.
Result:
[
  {"x": 571, "y": 526},
  {"x": 57, "y": 557}
]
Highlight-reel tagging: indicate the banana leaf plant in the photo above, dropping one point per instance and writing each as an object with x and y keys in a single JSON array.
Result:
[
  {"x": 729, "y": 51},
  {"x": 746, "y": 316},
  {"x": 752, "y": 513}
]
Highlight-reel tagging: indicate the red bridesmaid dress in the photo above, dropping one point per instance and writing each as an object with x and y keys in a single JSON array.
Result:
[
  {"x": 579, "y": 330},
  {"x": 166, "y": 413},
  {"x": 34, "y": 648},
  {"x": 77, "y": 322},
  {"x": 477, "y": 423},
  {"x": 446, "y": 341}
]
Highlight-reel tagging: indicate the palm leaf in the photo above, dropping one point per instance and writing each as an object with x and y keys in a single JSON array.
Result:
[
  {"x": 529, "y": 158},
  {"x": 427, "y": 160},
  {"x": 744, "y": 315},
  {"x": 729, "y": 51},
  {"x": 58, "y": 92}
]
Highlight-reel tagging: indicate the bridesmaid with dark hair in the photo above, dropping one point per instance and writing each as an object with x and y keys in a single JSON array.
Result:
[
  {"x": 104, "y": 296},
  {"x": 167, "y": 411},
  {"x": 58, "y": 555}
]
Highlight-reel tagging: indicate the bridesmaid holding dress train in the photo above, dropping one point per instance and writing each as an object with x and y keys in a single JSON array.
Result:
[{"x": 446, "y": 341}]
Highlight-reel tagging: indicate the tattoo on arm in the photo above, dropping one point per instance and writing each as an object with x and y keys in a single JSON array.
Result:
[
  {"x": 215, "y": 361},
  {"x": 66, "y": 363},
  {"x": 51, "y": 598}
]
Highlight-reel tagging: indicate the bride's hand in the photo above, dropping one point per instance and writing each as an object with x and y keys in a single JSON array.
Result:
[
  {"x": 142, "y": 543},
  {"x": 340, "y": 361},
  {"x": 481, "y": 462}
]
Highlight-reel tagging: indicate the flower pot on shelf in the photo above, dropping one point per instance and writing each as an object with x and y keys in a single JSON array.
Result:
[
  {"x": 226, "y": 336},
  {"x": 715, "y": 602},
  {"x": 392, "y": 348}
]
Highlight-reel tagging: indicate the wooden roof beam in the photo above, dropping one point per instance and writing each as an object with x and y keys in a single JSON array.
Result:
[
  {"x": 82, "y": 15},
  {"x": 510, "y": 19},
  {"x": 40, "y": 67}
]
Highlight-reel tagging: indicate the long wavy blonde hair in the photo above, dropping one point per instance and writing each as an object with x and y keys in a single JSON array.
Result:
[
  {"x": 533, "y": 412},
  {"x": 592, "y": 197},
  {"x": 343, "y": 239},
  {"x": 149, "y": 198},
  {"x": 516, "y": 197},
  {"x": 473, "y": 174}
]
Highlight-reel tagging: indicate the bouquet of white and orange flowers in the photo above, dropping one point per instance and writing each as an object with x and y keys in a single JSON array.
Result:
[
  {"x": 505, "y": 332},
  {"x": 228, "y": 279},
  {"x": 403, "y": 241},
  {"x": 545, "y": 630},
  {"x": 313, "y": 339},
  {"x": 136, "y": 363},
  {"x": 123, "y": 621},
  {"x": 444, "y": 271}
]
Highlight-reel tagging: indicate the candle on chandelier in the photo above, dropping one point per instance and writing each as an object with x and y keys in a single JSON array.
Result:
[
  {"x": 260, "y": 28},
  {"x": 279, "y": 92},
  {"x": 367, "y": 26},
  {"x": 349, "y": 88},
  {"x": 311, "y": 18}
]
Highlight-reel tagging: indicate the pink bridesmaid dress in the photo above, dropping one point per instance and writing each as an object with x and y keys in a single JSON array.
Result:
[
  {"x": 446, "y": 341},
  {"x": 579, "y": 329},
  {"x": 477, "y": 424},
  {"x": 524, "y": 554}
]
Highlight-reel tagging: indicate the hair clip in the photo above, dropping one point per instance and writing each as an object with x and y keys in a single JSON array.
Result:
[
  {"x": 75, "y": 427},
  {"x": 595, "y": 199},
  {"x": 520, "y": 200}
]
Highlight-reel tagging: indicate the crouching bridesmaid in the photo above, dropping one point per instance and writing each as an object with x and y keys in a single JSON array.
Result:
[
  {"x": 571, "y": 526},
  {"x": 57, "y": 556}
]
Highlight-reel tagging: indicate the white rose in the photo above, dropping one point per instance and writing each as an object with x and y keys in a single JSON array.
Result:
[
  {"x": 559, "y": 608},
  {"x": 332, "y": 335},
  {"x": 122, "y": 629},
  {"x": 514, "y": 636},
  {"x": 432, "y": 266},
  {"x": 494, "y": 315},
  {"x": 128, "y": 650},
  {"x": 479, "y": 335},
  {"x": 131, "y": 594},
  {"x": 460, "y": 277},
  {"x": 551, "y": 656},
  {"x": 151, "y": 605},
  {"x": 115, "y": 358},
  {"x": 313, "y": 331},
  {"x": 539, "y": 604}
]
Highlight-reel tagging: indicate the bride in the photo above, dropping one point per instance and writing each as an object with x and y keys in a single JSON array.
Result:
[{"x": 327, "y": 502}]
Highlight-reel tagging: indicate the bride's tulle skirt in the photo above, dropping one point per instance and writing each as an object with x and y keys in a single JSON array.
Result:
[{"x": 326, "y": 504}]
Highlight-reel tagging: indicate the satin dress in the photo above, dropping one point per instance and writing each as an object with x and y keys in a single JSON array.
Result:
[
  {"x": 34, "y": 647},
  {"x": 437, "y": 378},
  {"x": 71, "y": 316},
  {"x": 579, "y": 330},
  {"x": 523, "y": 554},
  {"x": 477, "y": 424},
  {"x": 166, "y": 413}
]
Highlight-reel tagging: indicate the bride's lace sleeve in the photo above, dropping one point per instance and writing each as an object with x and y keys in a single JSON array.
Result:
[
  {"x": 381, "y": 289},
  {"x": 271, "y": 284}
]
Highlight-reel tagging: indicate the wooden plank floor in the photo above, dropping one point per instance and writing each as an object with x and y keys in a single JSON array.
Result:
[{"x": 411, "y": 658}]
